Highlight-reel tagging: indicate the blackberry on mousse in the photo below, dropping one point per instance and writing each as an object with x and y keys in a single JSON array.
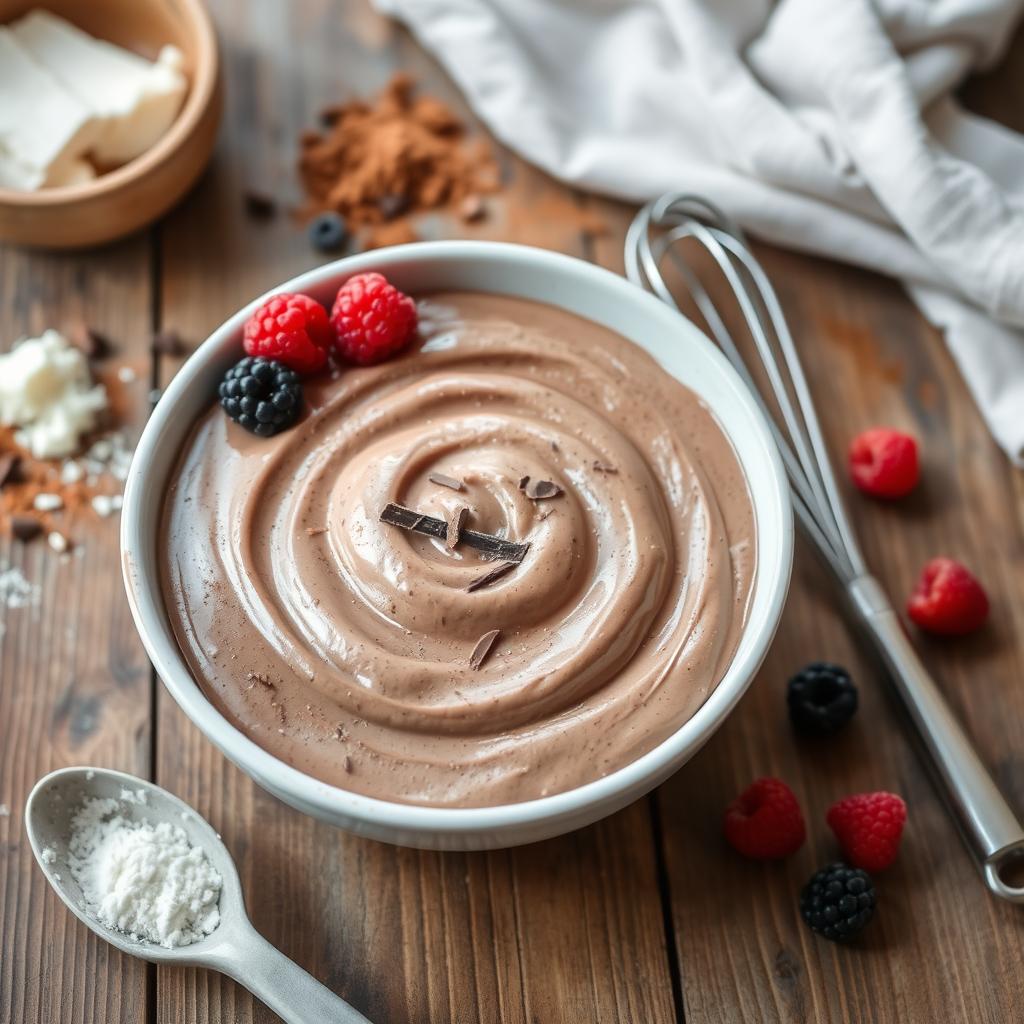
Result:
[{"x": 262, "y": 395}]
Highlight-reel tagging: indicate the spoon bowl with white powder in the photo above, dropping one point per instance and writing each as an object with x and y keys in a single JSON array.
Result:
[{"x": 147, "y": 873}]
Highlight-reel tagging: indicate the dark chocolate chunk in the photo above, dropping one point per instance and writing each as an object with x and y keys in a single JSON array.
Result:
[
  {"x": 25, "y": 528},
  {"x": 454, "y": 523},
  {"x": 91, "y": 343},
  {"x": 491, "y": 575},
  {"x": 445, "y": 481},
  {"x": 539, "y": 490},
  {"x": 9, "y": 465},
  {"x": 523, "y": 481},
  {"x": 483, "y": 648},
  {"x": 168, "y": 343},
  {"x": 258, "y": 205},
  {"x": 408, "y": 519},
  {"x": 393, "y": 205}
]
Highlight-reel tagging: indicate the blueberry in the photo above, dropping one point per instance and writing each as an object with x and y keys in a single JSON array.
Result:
[{"x": 328, "y": 232}]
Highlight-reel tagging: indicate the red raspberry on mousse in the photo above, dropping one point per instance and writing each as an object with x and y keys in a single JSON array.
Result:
[
  {"x": 884, "y": 463},
  {"x": 948, "y": 599},
  {"x": 291, "y": 329},
  {"x": 372, "y": 319},
  {"x": 765, "y": 821}
]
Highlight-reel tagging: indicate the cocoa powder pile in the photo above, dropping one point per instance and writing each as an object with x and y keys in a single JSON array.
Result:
[{"x": 378, "y": 162}]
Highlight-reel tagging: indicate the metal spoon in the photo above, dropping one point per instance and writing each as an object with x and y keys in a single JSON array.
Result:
[{"x": 235, "y": 948}]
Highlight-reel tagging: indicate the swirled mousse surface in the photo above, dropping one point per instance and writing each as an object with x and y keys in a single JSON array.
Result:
[{"x": 344, "y": 645}]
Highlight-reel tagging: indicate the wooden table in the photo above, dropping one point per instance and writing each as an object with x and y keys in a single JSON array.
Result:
[{"x": 646, "y": 916}]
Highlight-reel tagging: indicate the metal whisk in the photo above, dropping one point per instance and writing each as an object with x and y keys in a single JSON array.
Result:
[{"x": 989, "y": 827}]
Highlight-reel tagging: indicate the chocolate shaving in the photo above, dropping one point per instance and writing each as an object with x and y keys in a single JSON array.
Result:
[
  {"x": 454, "y": 524},
  {"x": 25, "y": 528},
  {"x": 491, "y": 575},
  {"x": 9, "y": 464},
  {"x": 445, "y": 481},
  {"x": 539, "y": 490},
  {"x": 408, "y": 519},
  {"x": 483, "y": 648},
  {"x": 603, "y": 467},
  {"x": 523, "y": 481}
]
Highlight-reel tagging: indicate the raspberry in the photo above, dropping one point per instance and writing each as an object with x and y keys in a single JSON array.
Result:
[
  {"x": 821, "y": 699},
  {"x": 838, "y": 902},
  {"x": 292, "y": 329},
  {"x": 372, "y": 319},
  {"x": 948, "y": 599},
  {"x": 868, "y": 827},
  {"x": 765, "y": 822},
  {"x": 884, "y": 462}
]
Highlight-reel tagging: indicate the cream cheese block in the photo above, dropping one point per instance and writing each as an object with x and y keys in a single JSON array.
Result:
[
  {"x": 44, "y": 130},
  {"x": 133, "y": 100}
]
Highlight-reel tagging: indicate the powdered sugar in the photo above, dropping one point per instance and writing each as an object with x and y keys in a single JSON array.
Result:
[{"x": 145, "y": 880}]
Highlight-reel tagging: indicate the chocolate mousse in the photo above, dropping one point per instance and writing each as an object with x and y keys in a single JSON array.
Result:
[{"x": 329, "y": 619}]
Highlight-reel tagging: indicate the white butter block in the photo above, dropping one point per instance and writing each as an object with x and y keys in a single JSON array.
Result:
[
  {"x": 134, "y": 100},
  {"x": 44, "y": 130}
]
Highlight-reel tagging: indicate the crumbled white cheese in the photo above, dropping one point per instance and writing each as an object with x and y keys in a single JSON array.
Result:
[
  {"x": 5, "y": 811},
  {"x": 57, "y": 541},
  {"x": 145, "y": 880},
  {"x": 46, "y": 390},
  {"x": 71, "y": 472}
]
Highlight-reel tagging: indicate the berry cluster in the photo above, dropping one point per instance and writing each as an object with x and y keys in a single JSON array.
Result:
[{"x": 291, "y": 334}]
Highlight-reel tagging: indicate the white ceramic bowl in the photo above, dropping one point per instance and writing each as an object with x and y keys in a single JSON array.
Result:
[{"x": 533, "y": 274}]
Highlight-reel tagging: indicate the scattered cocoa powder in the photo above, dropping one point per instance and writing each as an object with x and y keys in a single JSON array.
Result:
[
  {"x": 37, "y": 477},
  {"x": 377, "y": 163}
]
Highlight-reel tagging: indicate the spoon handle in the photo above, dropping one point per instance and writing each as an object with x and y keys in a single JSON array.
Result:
[{"x": 294, "y": 995}]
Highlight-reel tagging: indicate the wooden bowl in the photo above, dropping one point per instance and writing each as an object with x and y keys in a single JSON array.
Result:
[{"x": 124, "y": 200}]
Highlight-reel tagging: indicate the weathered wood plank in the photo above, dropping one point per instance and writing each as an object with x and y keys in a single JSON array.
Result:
[
  {"x": 569, "y": 927},
  {"x": 74, "y": 682}
]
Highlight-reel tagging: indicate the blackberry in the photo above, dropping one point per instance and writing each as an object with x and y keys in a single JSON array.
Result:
[
  {"x": 328, "y": 232},
  {"x": 838, "y": 901},
  {"x": 821, "y": 699},
  {"x": 263, "y": 395}
]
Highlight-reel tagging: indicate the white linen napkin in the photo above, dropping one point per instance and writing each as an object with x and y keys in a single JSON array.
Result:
[{"x": 823, "y": 125}]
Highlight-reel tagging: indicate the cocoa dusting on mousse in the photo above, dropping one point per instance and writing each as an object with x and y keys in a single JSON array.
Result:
[{"x": 620, "y": 613}]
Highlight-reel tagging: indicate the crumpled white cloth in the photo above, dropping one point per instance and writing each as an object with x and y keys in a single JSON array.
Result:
[{"x": 823, "y": 125}]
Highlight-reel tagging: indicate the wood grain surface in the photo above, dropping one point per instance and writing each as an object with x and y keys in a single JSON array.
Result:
[{"x": 646, "y": 916}]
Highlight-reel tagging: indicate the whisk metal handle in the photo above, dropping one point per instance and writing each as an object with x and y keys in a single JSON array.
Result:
[{"x": 987, "y": 822}]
